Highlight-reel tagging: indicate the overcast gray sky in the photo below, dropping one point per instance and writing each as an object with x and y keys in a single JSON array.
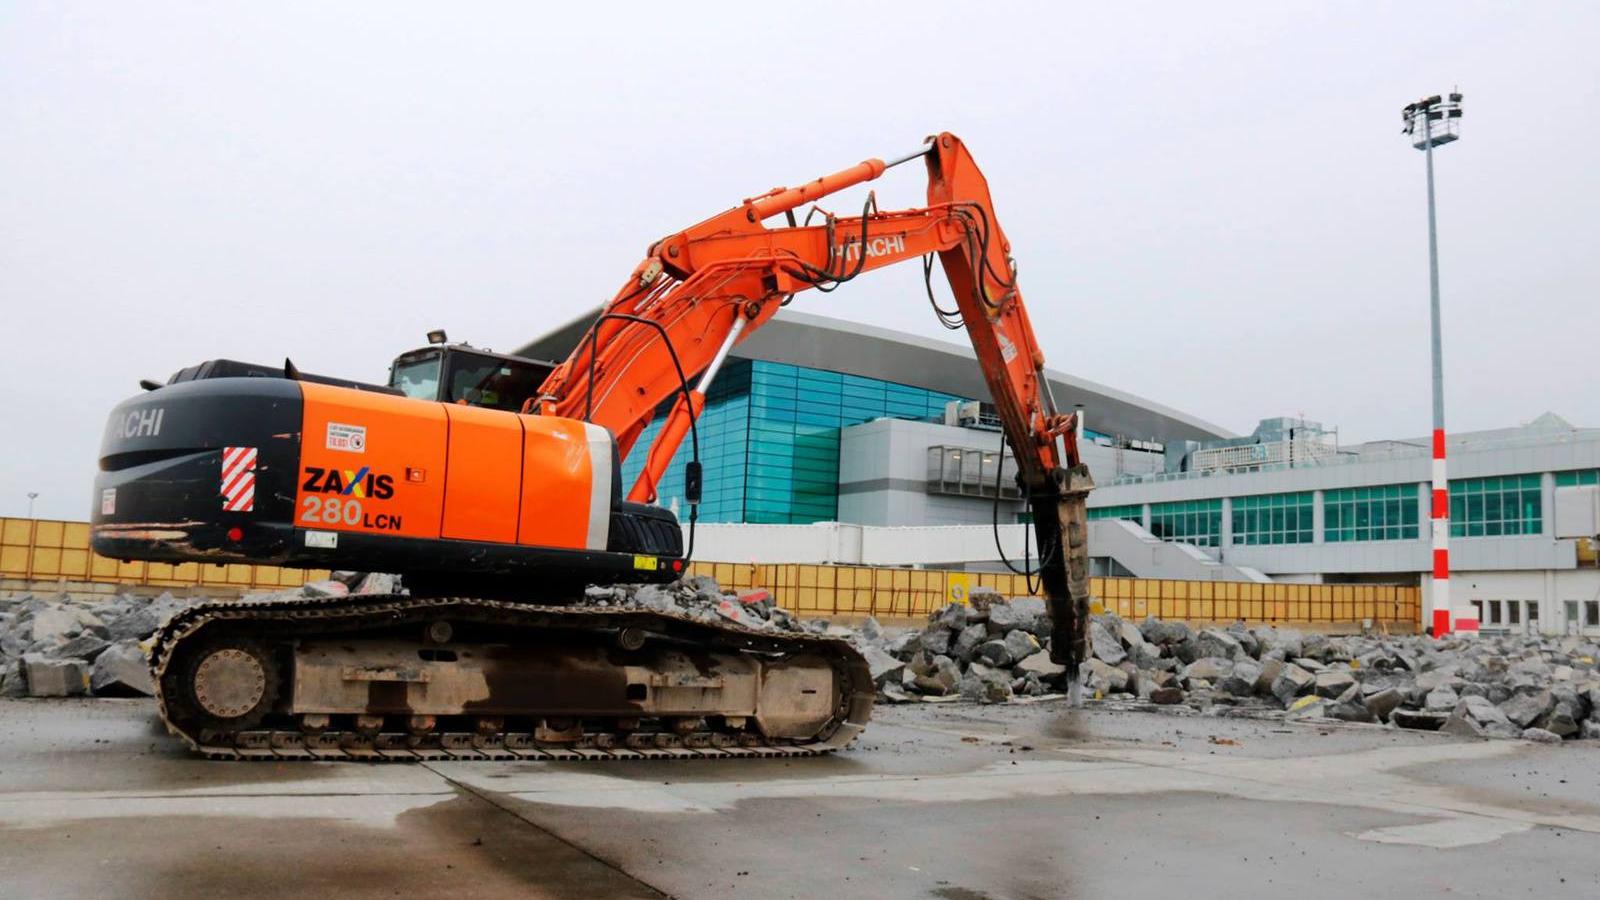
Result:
[{"x": 1211, "y": 205}]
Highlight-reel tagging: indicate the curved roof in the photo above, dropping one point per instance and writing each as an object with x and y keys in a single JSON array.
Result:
[{"x": 835, "y": 345}]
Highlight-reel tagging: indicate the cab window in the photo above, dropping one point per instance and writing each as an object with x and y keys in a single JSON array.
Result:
[
  {"x": 492, "y": 383},
  {"x": 417, "y": 378}
]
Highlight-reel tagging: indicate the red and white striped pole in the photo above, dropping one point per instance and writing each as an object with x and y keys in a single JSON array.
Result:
[
  {"x": 1441, "y": 538},
  {"x": 1424, "y": 113}
]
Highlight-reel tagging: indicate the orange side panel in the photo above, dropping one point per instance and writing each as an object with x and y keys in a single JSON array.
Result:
[
  {"x": 370, "y": 462},
  {"x": 555, "y": 483},
  {"x": 483, "y": 481}
]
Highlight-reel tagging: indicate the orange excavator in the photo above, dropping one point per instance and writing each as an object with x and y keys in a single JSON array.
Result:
[{"x": 492, "y": 485}]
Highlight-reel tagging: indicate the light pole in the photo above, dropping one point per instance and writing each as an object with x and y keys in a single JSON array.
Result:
[
  {"x": 32, "y": 496},
  {"x": 1430, "y": 122}
]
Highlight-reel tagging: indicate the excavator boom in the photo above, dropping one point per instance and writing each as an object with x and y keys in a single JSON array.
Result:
[{"x": 700, "y": 291}]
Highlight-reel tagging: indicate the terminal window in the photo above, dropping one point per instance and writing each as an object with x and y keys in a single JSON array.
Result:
[
  {"x": 1492, "y": 507},
  {"x": 1134, "y": 512},
  {"x": 1273, "y": 519},
  {"x": 769, "y": 440},
  {"x": 1197, "y": 522},
  {"x": 1383, "y": 513},
  {"x": 1573, "y": 479}
]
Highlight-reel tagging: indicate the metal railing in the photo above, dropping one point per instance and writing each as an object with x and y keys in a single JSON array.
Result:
[{"x": 1405, "y": 451}]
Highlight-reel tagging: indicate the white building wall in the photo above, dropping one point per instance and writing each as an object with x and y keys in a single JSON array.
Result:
[
  {"x": 883, "y": 473},
  {"x": 1549, "y": 591}
]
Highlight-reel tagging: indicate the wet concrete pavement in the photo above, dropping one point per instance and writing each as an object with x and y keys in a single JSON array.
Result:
[{"x": 950, "y": 801}]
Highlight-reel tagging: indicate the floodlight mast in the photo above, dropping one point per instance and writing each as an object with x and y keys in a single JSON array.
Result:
[{"x": 1430, "y": 122}]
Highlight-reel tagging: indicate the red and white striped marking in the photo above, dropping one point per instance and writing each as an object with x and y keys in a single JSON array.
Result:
[
  {"x": 1443, "y": 622},
  {"x": 238, "y": 479}
]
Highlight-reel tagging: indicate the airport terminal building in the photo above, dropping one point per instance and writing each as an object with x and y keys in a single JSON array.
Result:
[{"x": 879, "y": 445}]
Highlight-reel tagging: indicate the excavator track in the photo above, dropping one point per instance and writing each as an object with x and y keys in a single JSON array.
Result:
[{"x": 262, "y": 680}]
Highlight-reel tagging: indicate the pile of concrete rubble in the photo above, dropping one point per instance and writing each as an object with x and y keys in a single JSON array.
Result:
[
  {"x": 68, "y": 647},
  {"x": 1537, "y": 688},
  {"x": 991, "y": 650}
]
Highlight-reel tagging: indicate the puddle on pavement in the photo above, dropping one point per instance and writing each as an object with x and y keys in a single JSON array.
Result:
[
  {"x": 1442, "y": 815},
  {"x": 456, "y": 846}
]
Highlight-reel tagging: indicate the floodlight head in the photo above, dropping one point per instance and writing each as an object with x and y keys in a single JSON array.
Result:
[
  {"x": 1455, "y": 97},
  {"x": 437, "y": 336}
]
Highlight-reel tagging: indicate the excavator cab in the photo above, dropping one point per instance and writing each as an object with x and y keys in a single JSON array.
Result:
[{"x": 464, "y": 374}]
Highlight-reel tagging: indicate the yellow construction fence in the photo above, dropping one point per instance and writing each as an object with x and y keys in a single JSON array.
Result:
[
  {"x": 887, "y": 593},
  {"x": 41, "y": 554},
  {"x": 38, "y": 554}
]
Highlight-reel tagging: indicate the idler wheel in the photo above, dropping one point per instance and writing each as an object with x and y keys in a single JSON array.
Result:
[{"x": 232, "y": 684}]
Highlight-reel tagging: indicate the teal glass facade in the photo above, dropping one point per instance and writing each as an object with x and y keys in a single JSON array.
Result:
[
  {"x": 1133, "y": 512},
  {"x": 1273, "y": 519},
  {"x": 1390, "y": 512},
  {"x": 1492, "y": 507},
  {"x": 769, "y": 440},
  {"x": 1197, "y": 522}
]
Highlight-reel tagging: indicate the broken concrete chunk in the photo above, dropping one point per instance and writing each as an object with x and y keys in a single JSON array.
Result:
[
  {"x": 1215, "y": 642},
  {"x": 378, "y": 583},
  {"x": 994, "y": 653},
  {"x": 1103, "y": 678},
  {"x": 1105, "y": 646},
  {"x": 1441, "y": 699},
  {"x": 1383, "y": 702},
  {"x": 1540, "y": 735},
  {"x": 1169, "y": 695},
  {"x": 1291, "y": 682},
  {"x": 1333, "y": 682},
  {"x": 1211, "y": 669},
  {"x": 1525, "y": 709},
  {"x": 1157, "y": 631},
  {"x": 122, "y": 671},
  {"x": 882, "y": 664},
  {"x": 981, "y": 598},
  {"x": 136, "y": 624},
  {"x": 1039, "y": 664},
  {"x": 1002, "y": 618},
  {"x": 49, "y": 677},
  {"x": 86, "y": 646},
  {"x": 985, "y": 685},
  {"x": 1271, "y": 668},
  {"x": 1241, "y": 680},
  {"x": 935, "y": 639},
  {"x": 13, "y": 681},
  {"x": 1350, "y": 711},
  {"x": 967, "y": 643},
  {"x": 60, "y": 623},
  {"x": 323, "y": 590},
  {"x": 1477, "y": 717},
  {"x": 1020, "y": 645}
]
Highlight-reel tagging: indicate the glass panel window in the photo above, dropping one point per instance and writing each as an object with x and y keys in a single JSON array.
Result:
[
  {"x": 1492, "y": 507},
  {"x": 1380, "y": 513},
  {"x": 1573, "y": 479},
  {"x": 1132, "y": 511},
  {"x": 1196, "y": 522},
  {"x": 769, "y": 440},
  {"x": 1273, "y": 519}
]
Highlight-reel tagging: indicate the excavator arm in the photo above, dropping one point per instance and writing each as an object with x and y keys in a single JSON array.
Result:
[{"x": 700, "y": 291}]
